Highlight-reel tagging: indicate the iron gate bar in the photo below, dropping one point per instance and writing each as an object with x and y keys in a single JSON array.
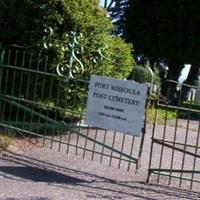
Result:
[
  {"x": 162, "y": 148},
  {"x": 29, "y": 70},
  {"x": 171, "y": 147},
  {"x": 143, "y": 135},
  {"x": 175, "y": 136},
  {"x": 24, "y": 109},
  {"x": 41, "y": 72},
  {"x": 131, "y": 151},
  {"x": 71, "y": 126},
  {"x": 181, "y": 84},
  {"x": 95, "y": 137},
  {"x": 113, "y": 143},
  {"x": 102, "y": 150},
  {"x": 64, "y": 127},
  {"x": 151, "y": 145},
  {"x": 196, "y": 149},
  {"x": 122, "y": 147},
  {"x": 87, "y": 134},
  {"x": 178, "y": 143},
  {"x": 28, "y": 109},
  {"x": 175, "y": 170},
  {"x": 178, "y": 108},
  {"x": 158, "y": 141},
  {"x": 38, "y": 104},
  {"x": 186, "y": 138},
  {"x": 58, "y": 141},
  {"x": 156, "y": 171},
  {"x": 79, "y": 128}
]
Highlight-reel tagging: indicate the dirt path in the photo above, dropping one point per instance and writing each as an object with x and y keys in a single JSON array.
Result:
[{"x": 35, "y": 173}]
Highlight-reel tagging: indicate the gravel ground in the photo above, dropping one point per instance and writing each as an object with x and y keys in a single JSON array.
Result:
[{"x": 31, "y": 172}]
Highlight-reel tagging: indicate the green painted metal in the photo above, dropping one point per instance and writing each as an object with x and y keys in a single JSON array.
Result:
[
  {"x": 75, "y": 66},
  {"x": 64, "y": 127},
  {"x": 174, "y": 150},
  {"x": 49, "y": 103}
]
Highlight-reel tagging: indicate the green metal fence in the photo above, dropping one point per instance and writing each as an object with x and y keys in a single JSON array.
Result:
[
  {"x": 36, "y": 102},
  {"x": 175, "y": 155}
]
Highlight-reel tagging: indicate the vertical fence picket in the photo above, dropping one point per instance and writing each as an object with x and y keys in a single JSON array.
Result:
[{"x": 47, "y": 106}]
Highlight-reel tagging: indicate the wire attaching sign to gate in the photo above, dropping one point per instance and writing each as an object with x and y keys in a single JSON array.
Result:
[{"x": 115, "y": 104}]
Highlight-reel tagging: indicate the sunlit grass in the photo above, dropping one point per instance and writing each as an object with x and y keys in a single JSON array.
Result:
[
  {"x": 4, "y": 141},
  {"x": 162, "y": 114}
]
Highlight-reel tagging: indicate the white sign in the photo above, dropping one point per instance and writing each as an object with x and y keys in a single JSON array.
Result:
[{"x": 116, "y": 104}]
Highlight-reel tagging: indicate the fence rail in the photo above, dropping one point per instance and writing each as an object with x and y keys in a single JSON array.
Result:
[{"x": 37, "y": 102}]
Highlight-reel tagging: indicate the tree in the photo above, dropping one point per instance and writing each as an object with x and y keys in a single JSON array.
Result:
[
  {"x": 117, "y": 13},
  {"x": 142, "y": 74},
  {"x": 30, "y": 18},
  {"x": 165, "y": 30},
  {"x": 24, "y": 24}
]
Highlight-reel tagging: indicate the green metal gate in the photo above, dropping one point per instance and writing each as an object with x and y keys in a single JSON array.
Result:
[
  {"x": 175, "y": 155},
  {"x": 36, "y": 102}
]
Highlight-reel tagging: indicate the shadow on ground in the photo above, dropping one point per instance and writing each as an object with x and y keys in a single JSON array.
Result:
[
  {"x": 23, "y": 168},
  {"x": 29, "y": 198},
  {"x": 39, "y": 175}
]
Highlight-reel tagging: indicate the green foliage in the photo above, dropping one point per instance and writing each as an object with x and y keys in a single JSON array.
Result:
[
  {"x": 30, "y": 18},
  {"x": 170, "y": 114},
  {"x": 165, "y": 29},
  {"x": 197, "y": 83},
  {"x": 5, "y": 138},
  {"x": 24, "y": 23},
  {"x": 162, "y": 114},
  {"x": 4, "y": 141},
  {"x": 191, "y": 105},
  {"x": 193, "y": 114},
  {"x": 142, "y": 74},
  {"x": 120, "y": 63}
]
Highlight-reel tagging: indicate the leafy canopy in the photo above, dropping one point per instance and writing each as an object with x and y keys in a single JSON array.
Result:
[
  {"x": 165, "y": 29},
  {"x": 24, "y": 24}
]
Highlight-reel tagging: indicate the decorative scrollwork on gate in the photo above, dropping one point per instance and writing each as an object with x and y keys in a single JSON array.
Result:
[
  {"x": 72, "y": 66},
  {"x": 73, "y": 51}
]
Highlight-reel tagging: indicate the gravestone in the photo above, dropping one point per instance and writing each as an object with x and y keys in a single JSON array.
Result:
[{"x": 197, "y": 94}]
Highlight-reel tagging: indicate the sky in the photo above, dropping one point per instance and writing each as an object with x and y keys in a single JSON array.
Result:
[{"x": 102, "y": 2}]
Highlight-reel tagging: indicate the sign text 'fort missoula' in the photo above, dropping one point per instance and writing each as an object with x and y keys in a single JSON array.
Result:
[{"x": 116, "y": 104}]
